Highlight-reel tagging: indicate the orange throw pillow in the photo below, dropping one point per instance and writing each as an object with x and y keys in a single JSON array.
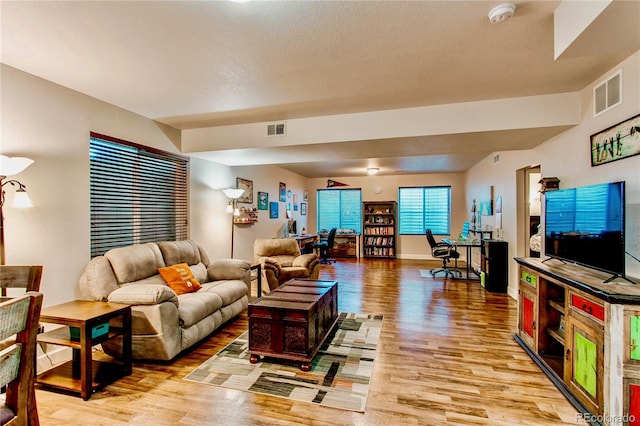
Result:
[{"x": 180, "y": 278}]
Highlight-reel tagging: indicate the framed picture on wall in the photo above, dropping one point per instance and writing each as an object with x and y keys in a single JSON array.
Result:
[
  {"x": 283, "y": 192},
  {"x": 263, "y": 200},
  {"x": 303, "y": 209},
  {"x": 305, "y": 195},
  {"x": 247, "y": 185},
  {"x": 273, "y": 210},
  {"x": 616, "y": 142}
]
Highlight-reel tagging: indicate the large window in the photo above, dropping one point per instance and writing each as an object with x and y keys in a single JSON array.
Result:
[
  {"x": 421, "y": 208},
  {"x": 339, "y": 208},
  {"x": 138, "y": 194}
]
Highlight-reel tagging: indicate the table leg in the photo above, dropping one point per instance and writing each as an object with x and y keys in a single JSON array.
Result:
[
  {"x": 126, "y": 343},
  {"x": 86, "y": 373}
]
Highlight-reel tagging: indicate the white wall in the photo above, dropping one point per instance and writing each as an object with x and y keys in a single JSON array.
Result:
[
  {"x": 567, "y": 156},
  {"x": 211, "y": 225},
  {"x": 50, "y": 124}
]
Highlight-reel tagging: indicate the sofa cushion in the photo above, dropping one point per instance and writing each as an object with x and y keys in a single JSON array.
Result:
[
  {"x": 194, "y": 307},
  {"x": 175, "y": 252},
  {"x": 228, "y": 290},
  {"x": 179, "y": 278},
  {"x": 143, "y": 294},
  {"x": 133, "y": 263}
]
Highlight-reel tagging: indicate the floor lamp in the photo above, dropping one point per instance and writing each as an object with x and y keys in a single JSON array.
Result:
[
  {"x": 9, "y": 167},
  {"x": 232, "y": 207}
]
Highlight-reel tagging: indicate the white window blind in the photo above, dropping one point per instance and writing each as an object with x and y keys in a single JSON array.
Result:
[
  {"x": 339, "y": 208},
  {"x": 138, "y": 194},
  {"x": 421, "y": 208}
]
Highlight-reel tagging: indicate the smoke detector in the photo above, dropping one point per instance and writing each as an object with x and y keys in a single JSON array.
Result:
[{"x": 501, "y": 12}]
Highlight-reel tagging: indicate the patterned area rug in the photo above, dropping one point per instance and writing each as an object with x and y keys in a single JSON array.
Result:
[{"x": 340, "y": 373}]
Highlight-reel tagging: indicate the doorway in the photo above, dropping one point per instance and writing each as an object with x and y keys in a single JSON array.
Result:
[{"x": 533, "y": 207}]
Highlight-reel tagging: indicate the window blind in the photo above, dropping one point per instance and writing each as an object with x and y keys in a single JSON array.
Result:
[
  {"x": 421, "y": 208},
  {"x": 339, "y": 208},
  {"x": 138, "y": 194}
]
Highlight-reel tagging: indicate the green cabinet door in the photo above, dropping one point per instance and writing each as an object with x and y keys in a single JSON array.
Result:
[
  {"x": 585, "y": 363},
  {"x": 634, "y": 337}
]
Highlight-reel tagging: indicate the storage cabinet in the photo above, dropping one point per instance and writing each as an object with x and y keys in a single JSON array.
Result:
[
  {"x": 494, "y": 263},
  {"x": 584, "y": 334},
  {"x": 379, "y": 229}
]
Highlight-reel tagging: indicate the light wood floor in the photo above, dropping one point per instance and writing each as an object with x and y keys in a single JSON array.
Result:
[{"x": 447, "y": 356}]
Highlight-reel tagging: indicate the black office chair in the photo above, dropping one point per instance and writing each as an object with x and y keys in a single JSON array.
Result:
[
  {"x": 444, "y": 251},
  {"x": 324, "y": 245}
]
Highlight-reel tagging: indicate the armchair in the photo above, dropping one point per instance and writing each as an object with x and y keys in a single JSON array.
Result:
[{"x": 281, "y": 261}]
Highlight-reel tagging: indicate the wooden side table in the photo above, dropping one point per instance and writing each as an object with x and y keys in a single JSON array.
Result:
[
  {"x": 258, "y": 276},
  {"x": 82, "y": 374}
]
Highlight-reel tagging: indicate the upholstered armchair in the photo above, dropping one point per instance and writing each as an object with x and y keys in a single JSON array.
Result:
[{"x": 281, "y": 261}]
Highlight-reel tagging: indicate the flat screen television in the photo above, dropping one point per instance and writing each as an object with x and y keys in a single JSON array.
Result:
[{"x": 585, "y": 225}]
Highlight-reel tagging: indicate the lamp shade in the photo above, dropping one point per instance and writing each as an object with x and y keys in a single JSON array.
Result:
[
  {"x": 13, "y": 165},
  {"x": 233, "y": 192},
  {"x": 21, "y": 199}
]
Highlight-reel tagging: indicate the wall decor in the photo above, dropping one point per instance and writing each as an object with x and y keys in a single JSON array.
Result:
[
  {"x": 305, "y": 195},
  {"x": 616, "y": 142},
  {"x": 303, "y": 209},
  {"x": 263, "y": 200},
  {"x": 283, "y": 192},
  {"x": 247, "y": 185},
  {"x": 295, "y": 207},
  {"x": 273, "y": 210},
  {"x": 288, "y": 207},
  {"x": 295, "y": 199},
  {"x": 289, "y": 194}
]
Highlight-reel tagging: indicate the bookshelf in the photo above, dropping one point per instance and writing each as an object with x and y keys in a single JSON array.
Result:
[{"x": 379, "y": 229}]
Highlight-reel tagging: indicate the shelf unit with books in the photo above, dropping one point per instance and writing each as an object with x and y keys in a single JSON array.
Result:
[{"x": 379, "y": 229}]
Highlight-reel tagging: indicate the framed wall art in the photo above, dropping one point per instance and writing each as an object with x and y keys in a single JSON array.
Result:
[
  {"x": 303, "y": 209},
  {"x": 283, "y": 192},
  {"x": 616, "y": 142},
  {"x": 247, "y": 185},
  {"x": 263, "y": 200},
  {"x": 273, "y": 210}
]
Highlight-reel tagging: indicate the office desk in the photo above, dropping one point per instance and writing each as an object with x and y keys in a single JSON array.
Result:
[
  {"x": 469, "y": 245},
  {"x": 303, "y": 240}
]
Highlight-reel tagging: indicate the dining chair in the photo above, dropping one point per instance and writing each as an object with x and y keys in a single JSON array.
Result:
[
  {"x": 19, "y": 317},
  {"x": 25, "y": 277}
]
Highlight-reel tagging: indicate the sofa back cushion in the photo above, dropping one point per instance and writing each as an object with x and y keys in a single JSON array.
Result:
[
  {"x": 276, "y": 247},
  {"x": 136, "y": 262},
  {"x": 175, "y": 252}
]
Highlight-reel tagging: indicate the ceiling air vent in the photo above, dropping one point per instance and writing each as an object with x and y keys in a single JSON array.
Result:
[
  {"x": 276, "y": 129},
  {"x": 608, "y": 94}
]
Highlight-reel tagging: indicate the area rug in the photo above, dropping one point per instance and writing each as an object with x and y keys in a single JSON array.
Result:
[{"x": 340, "y": 373}]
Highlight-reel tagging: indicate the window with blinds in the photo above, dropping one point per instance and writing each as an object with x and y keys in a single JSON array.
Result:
[
  {"x": 339, "y": 208},
  {"x": 421, "y": 208},
  {"x": 138, "y": 194}
]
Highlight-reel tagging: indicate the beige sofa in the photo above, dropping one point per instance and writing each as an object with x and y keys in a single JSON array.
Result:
[
  {"x": 281, "y": 261},
  {"x": 163, "y": 323}
]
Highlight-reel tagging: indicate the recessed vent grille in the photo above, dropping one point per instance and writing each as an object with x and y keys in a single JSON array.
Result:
[
  {"x": 496, "y": 158},
  {"x": 608, "y": 94},
  {"x": 276, "y": 129}
]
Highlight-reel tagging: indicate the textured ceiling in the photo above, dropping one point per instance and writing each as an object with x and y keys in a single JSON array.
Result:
[{"x": 216, "y": 63}]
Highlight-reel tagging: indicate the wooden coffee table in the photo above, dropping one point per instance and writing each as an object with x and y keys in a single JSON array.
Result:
[{"x": 293, "y": 321}]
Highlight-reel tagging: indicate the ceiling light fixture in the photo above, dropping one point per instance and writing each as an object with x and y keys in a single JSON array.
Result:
[
  {"x": 501, "y": 12},
  {"x": 373, "y": 170}
]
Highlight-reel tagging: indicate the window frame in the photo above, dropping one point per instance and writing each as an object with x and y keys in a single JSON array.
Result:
[
  {"x": 138, "y": 194},
  {"x": 424, "y": 219},
  {"x": 341, "y": 225}
]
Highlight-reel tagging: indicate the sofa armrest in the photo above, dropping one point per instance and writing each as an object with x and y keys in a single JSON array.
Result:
[
  {"x": 143, "y": 294},
  {"x": 306, "y": 260},
  {"x": 228, "y": 269}
]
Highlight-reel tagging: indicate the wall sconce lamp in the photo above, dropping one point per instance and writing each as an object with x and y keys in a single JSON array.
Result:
[
  {"x": 232, "y": 207},
  {"x": 12, "y": 166}
]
